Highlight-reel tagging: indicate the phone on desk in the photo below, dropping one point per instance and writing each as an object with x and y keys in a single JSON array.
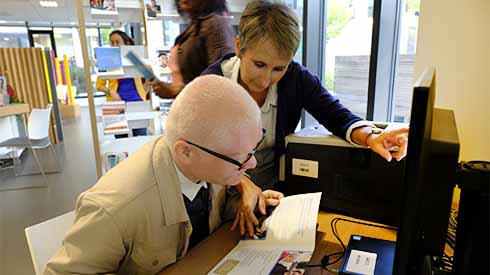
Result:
[{"x": 140, "y": 66}]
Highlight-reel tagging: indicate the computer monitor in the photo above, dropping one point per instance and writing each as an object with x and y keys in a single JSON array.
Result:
[{"x": 429, "y": 178}]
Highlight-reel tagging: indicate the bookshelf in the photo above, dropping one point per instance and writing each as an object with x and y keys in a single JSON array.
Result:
[{"x": 128, "y": 10}]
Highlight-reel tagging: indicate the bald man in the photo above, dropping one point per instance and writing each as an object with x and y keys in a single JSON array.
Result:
[{"x": 146, "y": 212}]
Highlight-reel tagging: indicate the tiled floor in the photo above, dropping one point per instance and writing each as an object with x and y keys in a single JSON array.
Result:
[{"x": 25, "y": 207}]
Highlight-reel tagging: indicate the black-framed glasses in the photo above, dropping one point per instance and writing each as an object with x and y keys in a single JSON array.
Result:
[{"x": 228, "y": 159}]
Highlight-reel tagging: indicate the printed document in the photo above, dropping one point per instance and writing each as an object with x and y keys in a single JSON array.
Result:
[{"x": 283, "y": 242}]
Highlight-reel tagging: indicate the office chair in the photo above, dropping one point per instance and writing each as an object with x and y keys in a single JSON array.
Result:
[{"x": 45, "y": 238}]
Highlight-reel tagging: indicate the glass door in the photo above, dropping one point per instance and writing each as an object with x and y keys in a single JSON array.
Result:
[{"x": 42, "y": 39}]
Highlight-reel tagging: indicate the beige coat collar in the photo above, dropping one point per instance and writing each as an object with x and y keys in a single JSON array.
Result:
[{"x": 168, "y": 184}]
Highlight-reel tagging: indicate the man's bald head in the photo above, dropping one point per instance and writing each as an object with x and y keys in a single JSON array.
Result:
[{"x": 209, "y": 109}]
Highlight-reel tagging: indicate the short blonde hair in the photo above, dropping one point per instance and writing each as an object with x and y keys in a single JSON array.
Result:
[
  {"x": 262, "y": 20},
  {"x": 208, "y": 109}
]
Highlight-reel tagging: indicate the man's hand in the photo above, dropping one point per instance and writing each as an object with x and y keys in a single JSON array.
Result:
[
  {"x": 251, "y": 195},
  {"x": 272, "y": 198},
  {"x": 382, "y": 143}
]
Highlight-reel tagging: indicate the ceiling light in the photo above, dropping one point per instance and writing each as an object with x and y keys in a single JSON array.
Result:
[{"x": 48, "y": 4}]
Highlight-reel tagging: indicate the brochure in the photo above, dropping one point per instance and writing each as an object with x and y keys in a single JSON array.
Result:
[
  {"x": 153, "y": 8},
  {"x": 140, "y": 66},
  {"x": 113, "y": 108},
  {"x": 283, "y": 243},
  {"x": 108, "y": 59},
  {"x": 115, "y": 124},
  {"x": 113, "y": 158},
  {"x": 114, "y": 117},
  {"x": 4, "y": 97},
  {"x": 103, "y": 7}
]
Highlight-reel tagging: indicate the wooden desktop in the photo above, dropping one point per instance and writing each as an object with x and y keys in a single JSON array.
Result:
[{"x": 204, "y": 256}]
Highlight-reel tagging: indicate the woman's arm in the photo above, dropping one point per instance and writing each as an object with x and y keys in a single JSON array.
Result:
[
  {"x": 338, "y": 119},
  {"x": 167, "y": 90},
  {"x": 101, "y": 85}
]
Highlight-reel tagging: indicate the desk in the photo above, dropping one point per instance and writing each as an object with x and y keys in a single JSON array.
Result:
[
  {"x": 205, "y": 255},
  {"x": 14, "y": 109}
]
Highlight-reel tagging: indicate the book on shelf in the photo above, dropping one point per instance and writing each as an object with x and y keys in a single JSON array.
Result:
[
  {"x": 283, "y": 243},
  {"x": 113, "y": 158},
  {"x": 113, "y": 108},
  {"x": 114, "y": 117},
  {"x": 103, "y": 7},
  {"x": 153, "y": 8},
  {"x": 4, "y": 97},
  {"x": 115, "y": 124}
]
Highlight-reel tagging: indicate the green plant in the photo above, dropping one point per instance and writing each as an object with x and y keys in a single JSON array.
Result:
[
  {"x": 413, "y": 5},
  {"x": 338, "y": 15},
  {"x": 329, "y": 81}
]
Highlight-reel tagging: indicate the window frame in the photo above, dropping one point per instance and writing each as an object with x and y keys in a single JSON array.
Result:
[{"x": 384, "y": 57}]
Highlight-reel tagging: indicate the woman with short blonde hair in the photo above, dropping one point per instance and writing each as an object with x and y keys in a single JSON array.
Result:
[
  {"x": 262, "y": 20},
  {"x": 263, "y": 64}
]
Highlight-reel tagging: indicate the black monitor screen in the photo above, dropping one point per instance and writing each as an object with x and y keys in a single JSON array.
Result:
[{"x": 431, "y": 163}]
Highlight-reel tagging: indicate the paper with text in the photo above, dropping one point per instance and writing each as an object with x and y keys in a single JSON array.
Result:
[{"x": 291, "y": 229}]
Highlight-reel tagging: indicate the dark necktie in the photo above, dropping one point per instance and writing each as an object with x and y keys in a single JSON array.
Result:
[{"x": 198, "y": 211}]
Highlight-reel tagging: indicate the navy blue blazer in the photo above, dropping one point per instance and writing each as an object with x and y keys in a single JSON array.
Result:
[{"x": 299, "y": 89}]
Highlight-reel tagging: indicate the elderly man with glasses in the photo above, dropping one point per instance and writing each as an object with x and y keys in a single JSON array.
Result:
[{"x": 146, "y": 212}]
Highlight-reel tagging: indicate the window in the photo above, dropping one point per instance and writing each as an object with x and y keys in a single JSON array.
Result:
[
  {"x": 13, "y": 37},
  {"x": 297, "y": 6},
  {"x": 347, "y": 52},
  {"x": 405, "y": 71},
  {"x": 369, "y": 55}
]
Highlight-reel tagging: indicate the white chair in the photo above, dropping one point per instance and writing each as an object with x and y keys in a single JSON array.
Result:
[
  {"x": 37, "y": 138},
  {"x": 46, "y": 238}
]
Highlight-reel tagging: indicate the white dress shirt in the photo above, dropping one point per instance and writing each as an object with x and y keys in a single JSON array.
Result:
[{"x": 189, "y": 188}]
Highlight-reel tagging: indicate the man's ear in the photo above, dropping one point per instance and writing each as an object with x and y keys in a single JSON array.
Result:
[
  {"x": 237, "y": 46},
  {"x": 182, "y": 151}
]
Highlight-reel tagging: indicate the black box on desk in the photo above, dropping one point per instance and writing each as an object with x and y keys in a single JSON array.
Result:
[
  {"x": 384, "y": 250},
  {"x": 353, "y": 180}
]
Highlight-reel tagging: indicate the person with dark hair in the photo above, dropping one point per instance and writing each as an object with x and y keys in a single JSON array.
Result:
[
  {"x": 163, "y": 59},
  {"x": 125, "y": 89},
  {"x": 120, "y": 38},
  {"x": 208, "y": 37}
]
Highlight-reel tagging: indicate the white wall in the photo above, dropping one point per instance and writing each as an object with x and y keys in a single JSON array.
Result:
[{"x": 454, "y": 36}]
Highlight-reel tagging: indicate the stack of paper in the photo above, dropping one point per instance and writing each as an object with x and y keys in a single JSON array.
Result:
[
  {"x": 114, "y": 108},
  {"x": 283, "y": 242},
  {"x": 114, "y": 118}
]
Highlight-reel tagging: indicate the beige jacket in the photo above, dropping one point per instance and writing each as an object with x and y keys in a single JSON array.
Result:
[{"x": 133, "y": 221}]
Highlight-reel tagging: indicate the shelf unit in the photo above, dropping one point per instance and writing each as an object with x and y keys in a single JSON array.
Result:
[{"x": 127, "y": 10}]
